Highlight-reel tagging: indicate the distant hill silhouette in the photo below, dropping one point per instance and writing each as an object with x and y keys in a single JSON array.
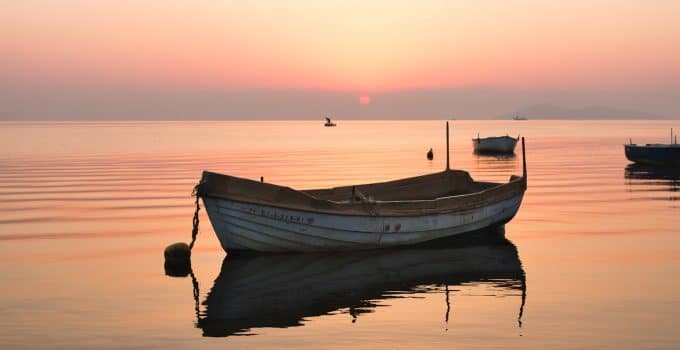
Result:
[{"x": 549, "y": 111}]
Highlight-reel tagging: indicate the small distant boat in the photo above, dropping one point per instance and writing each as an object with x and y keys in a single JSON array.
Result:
[
  {"x": 430, "y": 154},
  {"x": 654, "y": 153},
  {"x": 518, "y": 117},
  {"x": 329, "y": 122},
  {"x": 495, "y": 144},
  {"x": 257, "y": 216}
]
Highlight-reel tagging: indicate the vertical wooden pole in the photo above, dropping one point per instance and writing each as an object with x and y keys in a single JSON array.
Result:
[
  {"x": 524, "y": 161},
  {"x": 448, "y": 165}
]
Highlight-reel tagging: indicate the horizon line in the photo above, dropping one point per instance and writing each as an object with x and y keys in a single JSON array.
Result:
[{"x": 320, "y": 119}]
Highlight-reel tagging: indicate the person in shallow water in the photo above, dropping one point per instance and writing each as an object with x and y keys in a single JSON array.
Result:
[{"x": 430, "y": 155}]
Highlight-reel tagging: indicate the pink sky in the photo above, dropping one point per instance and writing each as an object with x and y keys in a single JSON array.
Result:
[{"x": 353, "y": 47}]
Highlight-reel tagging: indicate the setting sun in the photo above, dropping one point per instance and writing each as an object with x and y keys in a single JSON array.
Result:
[{"x": 365, "y": 100}]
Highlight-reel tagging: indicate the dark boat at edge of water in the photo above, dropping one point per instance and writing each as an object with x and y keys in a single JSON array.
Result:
[{"x": 664, "y": 154}]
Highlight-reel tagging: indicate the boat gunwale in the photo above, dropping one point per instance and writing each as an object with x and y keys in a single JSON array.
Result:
[
  {"x": 653, "y": 145},
  {"x": 514, "y": 180}
]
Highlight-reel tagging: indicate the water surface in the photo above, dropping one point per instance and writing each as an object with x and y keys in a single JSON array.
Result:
[{"x": 591, "y": 260}]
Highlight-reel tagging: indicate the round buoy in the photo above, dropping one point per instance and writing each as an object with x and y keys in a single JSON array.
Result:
[
  {"x": 179, "y": 251},
  {"x": 177, "y": 259}
]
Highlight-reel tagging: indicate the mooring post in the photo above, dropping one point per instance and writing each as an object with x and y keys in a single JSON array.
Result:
[
  {"x": 448, "y": 164},
  {"x": 524, "y": 161}
]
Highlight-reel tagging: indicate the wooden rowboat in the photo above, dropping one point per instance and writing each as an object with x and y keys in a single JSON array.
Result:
[{"x": 258, "y": 216}]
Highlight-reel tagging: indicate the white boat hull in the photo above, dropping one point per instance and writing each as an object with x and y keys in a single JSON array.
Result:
[
  {"x": 246, "y": 226},
  {"x": 503, "y": 144}
]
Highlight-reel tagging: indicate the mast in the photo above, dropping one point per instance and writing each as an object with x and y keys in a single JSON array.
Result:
[
  {"x": 524, "y": 161},
  {"x": 448, "y": 166}
]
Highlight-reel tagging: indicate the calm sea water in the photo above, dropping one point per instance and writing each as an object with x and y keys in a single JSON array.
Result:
[{"x": 591, "y": 260}]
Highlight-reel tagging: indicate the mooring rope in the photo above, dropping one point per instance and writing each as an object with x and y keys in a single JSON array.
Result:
[
  {"x": 197, "y": 294},
  {"x": 194, "y": 231},
  {"x": 523, "y": 279}
]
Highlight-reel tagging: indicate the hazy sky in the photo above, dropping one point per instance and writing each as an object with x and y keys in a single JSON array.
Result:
[{"x": 283, "y": 59}]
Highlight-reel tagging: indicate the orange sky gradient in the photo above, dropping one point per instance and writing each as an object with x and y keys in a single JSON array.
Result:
[
  {"x": 353, "y": 46},
  {"x": 105, "y": 59}
]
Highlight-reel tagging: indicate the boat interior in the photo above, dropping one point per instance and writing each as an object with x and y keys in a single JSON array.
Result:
[
  {"x": 430, "y": 193},
  {"x": 425, "y": 187}
]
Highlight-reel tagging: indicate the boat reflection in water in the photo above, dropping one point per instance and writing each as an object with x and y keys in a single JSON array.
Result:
[
  {"x": 495, "y": 155},
  {"x": 283, "y": 290},
  {"x": 653, "y": 179},
  {"x": 495, "y": 165}
]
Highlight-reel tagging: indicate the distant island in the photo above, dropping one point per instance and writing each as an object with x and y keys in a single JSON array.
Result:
[{"x": 549, "y": 111}]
